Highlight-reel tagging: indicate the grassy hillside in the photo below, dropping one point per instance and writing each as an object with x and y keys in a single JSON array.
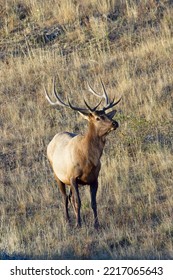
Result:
[{"x": 130, "y": 45}]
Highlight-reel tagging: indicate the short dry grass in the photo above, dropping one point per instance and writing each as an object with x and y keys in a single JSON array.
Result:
[{"x": 129, "y": 44}]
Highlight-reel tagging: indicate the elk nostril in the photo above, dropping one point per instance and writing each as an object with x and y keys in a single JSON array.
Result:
[{"x": 115, "y": 124}]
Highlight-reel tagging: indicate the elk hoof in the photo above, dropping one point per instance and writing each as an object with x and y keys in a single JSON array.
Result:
[
  {"x": 68, "y": 222},
  {"x": 96, "y": 225},
  {"x": 78, "y": 225}
]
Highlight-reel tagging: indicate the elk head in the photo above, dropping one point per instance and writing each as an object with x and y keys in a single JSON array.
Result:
[{"x": 101, "y": 121}]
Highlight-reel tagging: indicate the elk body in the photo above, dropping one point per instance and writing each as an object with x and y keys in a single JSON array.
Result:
[{"x": 75, "y": 158}]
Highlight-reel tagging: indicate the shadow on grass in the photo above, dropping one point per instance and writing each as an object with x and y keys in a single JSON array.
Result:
[{"x": 14, "y": 256}]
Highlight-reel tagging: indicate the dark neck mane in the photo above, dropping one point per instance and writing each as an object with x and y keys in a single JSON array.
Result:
[{"x": 94, "y": 144}]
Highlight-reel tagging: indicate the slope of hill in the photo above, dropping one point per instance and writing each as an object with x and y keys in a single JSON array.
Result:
[{"x": 127, "y": 43}]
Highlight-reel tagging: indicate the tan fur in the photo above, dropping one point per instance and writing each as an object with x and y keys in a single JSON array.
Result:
[{"x": 78, "y": 156}]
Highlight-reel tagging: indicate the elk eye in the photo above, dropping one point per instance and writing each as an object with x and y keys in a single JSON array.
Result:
[{"x": 97, "y": 119}]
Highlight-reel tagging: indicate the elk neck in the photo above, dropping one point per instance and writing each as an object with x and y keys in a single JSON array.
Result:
[{"x": 93, "y": 144}]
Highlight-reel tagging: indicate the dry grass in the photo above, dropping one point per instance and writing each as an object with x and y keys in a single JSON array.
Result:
[{"x": 129, "y": 44}]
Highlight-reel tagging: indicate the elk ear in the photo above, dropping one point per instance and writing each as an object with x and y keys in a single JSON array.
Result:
[
  {"x": 111, "y": 114},
  {"x": 85, "y": 115}
]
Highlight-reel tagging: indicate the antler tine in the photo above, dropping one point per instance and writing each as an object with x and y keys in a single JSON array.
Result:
[
  {"x": 92, "y": 109},
  {"x": 111, "y": 104},
  {"x": 82, "y": 110},
  {"x": 105, "y": 96},
  {"x": 47, "y": 96},
  {"x": 97, "y": 105},
  {"x": 89, "y": 108},
  {"x": 93, "y": 91},
  {"x": 58, "y": 99}
]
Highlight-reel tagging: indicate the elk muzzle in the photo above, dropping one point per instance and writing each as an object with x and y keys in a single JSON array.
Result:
[{"x": 115, "y": 125}]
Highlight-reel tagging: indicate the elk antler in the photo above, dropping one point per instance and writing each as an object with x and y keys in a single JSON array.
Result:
[
  {"x": 69, "y": 105},
  {"x": 108, "y": 104},
  {"x": 92, "y": 109},
  {"x": 58, "y": 99}
]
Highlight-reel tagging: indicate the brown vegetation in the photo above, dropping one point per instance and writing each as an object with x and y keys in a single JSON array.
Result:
[{"x": 130, "y": 45}]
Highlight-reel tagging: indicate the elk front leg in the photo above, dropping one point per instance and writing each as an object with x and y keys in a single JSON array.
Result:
[
  {"x": 93, "y": 192},
  {"x": 76, "y": 201},
  {"x": 61, "y": 185}
]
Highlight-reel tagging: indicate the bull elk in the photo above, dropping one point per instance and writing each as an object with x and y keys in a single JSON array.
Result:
[{"x": 75, "y": 158}]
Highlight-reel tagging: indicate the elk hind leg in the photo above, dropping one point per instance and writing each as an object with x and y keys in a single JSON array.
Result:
[
  {"x": 76, "y": 201},
  {"x": 65, "y": 197}
]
